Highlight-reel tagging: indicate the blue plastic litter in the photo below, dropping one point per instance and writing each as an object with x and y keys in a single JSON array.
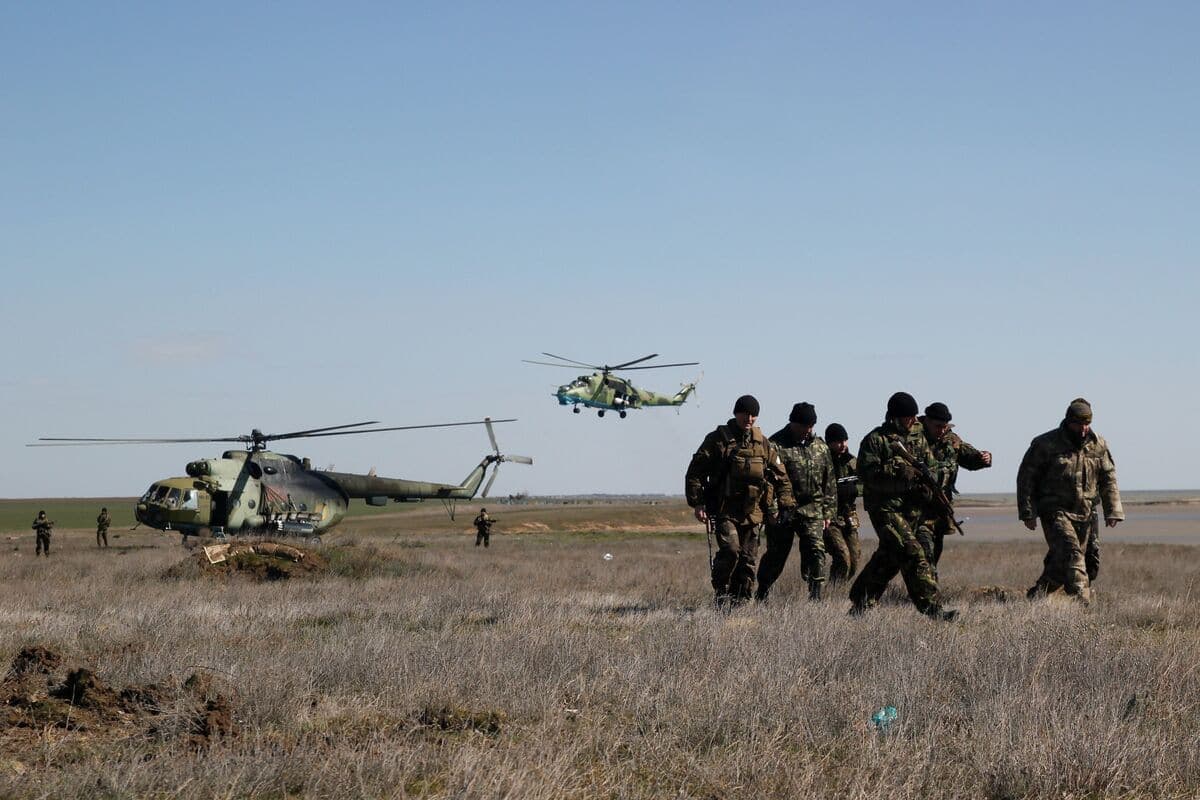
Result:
[{"x": 884, "y": 717}]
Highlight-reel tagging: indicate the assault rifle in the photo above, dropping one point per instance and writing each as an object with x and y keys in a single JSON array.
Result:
[
  {"x": 848, "y": 479},
  {"x": 940, "y": 500}
]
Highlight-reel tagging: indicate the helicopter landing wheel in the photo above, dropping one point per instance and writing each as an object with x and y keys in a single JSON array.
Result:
[
  {"x": 575, "y": 409},
  {"x": 622, "y": 415},
  {"x": 600, "y": 413}
]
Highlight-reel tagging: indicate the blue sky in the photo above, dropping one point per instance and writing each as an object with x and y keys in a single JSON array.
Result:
[{"x": 287, "y": 216}]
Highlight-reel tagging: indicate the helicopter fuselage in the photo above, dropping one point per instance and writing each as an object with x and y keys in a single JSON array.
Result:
[
  {"x": 244, "y": 491},
  {"x": 608, "y": 392}
]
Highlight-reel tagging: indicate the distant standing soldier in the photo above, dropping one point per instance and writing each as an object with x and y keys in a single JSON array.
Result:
[
  {"x": 728, "y": 483},
  {"x": 841, "y": 537},
  {"x": 483, "y": 528},
  {"x": 810, "y": 470},
  {"x": 102, "y": 523},
  {"x": 894, "y": 496},
  {"x": 948, "y": 452},
  {"x": 43, "y": 527},
  {"x": 1064, "y": 473}
]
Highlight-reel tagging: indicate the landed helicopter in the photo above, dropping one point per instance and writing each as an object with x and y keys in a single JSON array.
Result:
[
  {"x": 257, "y": 491},
  {"x": 607, "y": 392}
]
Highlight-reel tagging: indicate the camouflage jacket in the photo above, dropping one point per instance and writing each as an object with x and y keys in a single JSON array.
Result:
[
  {"x": 734, "y": 473},
  {"x": 881, "y": 469},
  {"x": 1059, "y": 473},
  {"x": 42, "y": 525},
  {"x": 103, "y": 521},
  {"x": 947, "y": 455},
  {"x": 484, "y": 520},
  {"x": 845, "y": 466},
  {"x": 810, "y": 468}
]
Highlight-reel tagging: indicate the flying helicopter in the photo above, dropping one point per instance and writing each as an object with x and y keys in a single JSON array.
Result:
[
  {"x": 258, "y": 491},
  {"x": 608, "y": 392}
]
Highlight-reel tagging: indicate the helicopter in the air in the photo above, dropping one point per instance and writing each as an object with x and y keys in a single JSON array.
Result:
[
  {"x": 608, "y": 392},
  {"x": 258, "y": 491}
]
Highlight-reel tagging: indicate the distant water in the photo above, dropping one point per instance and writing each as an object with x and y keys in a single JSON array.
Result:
[{"x": 1128, "y": 498}]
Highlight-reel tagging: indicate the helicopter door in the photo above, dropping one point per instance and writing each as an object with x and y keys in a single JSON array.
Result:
[{"x": 220, "y": 508}]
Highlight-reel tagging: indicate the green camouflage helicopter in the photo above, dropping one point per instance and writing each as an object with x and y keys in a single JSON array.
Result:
[
  {"x": 257, "y": 491},
  {"x": 607, "y": 392}
]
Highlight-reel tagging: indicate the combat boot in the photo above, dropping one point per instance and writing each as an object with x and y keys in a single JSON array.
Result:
[{"x": 814, "y": 591}]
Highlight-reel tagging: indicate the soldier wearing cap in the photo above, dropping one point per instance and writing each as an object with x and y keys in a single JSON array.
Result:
[
  {"x": 894, "y": 496},
  {"x": 948, "y": 452},
  {"x": 1063, "y": 475},
  {"x": 483, "y": 528},
  {"x": 42, "y": 527},
  {"x": 731, "y": 478},
  {"x": 841, "y": 537},
  {"x": 810, "y": 470},
  {"x": 102, "y": 523}
]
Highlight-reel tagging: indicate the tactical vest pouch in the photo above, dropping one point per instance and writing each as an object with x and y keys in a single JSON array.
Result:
[{"x": 747, "y": 469}]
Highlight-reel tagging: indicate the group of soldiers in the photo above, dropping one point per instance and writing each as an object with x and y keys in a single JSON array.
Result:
[
  {"x": 43, "y": 527},
  {"x": 800, "y": 487}
]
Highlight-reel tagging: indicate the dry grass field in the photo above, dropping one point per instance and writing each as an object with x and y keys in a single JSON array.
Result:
[{"x": 417, "y": 665}]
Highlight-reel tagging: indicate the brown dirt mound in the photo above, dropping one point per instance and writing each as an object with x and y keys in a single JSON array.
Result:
[
  {"x": 258, "y": 561},
  {"x": 995, "y": 594},
  {"x": 38, "y": 692}
]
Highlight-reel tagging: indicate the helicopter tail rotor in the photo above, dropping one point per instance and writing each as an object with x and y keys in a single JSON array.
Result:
[{"x": 498, "y": 457}]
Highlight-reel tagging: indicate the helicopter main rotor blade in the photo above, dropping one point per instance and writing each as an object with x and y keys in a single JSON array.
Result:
[
  {"x": 491, "y": 480},
  {"x": 635, "y": 361},
  {"x": 406, "y": 428},
  {"x": 318, "y": 430},
  {"x": 519, "y": 459},
  {"x": 566, "y": 366},
  {"x": 68, "y": 441},
  {"x": 663, "y": 366},
  {"x": 572, "y": 361}
]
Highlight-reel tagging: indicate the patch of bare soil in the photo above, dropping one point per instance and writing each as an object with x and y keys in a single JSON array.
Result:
[
  {"x": 40, "y": 691},
  {"x": 257, "y": 561}
]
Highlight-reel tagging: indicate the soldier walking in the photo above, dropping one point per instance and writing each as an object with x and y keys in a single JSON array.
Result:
[
  {"x": 102, "y": 523},
  {"x": 483, "y": 528},
  {"x": 1063, "y": 475},
  {"x": 841, "y": 537},
  {"x": 893, "y": 497},
  {"x": 42, "y": 526},
  {"x": 731, "y": 477},
  {"x": 948, "y": 452},
  {"x": 810, "y": 470}
]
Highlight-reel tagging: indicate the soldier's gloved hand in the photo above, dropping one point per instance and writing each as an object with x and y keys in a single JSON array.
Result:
[{"x": 786, "y": 516}]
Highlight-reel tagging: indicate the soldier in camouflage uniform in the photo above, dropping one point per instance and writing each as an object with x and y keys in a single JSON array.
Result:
[
  {"x": 729, "y": 480},
  {"x": 810, "y": 470},
  {"x": 894, "y": 496},
  {"x": 102, "y": 523},
  {"x": 1064, "y": 473},
  {"x": 841, "y": 537},
  {"x": 483, "y": 528},
  {"x": 42, "y": 527},
  {"x": 949, "y": 452}
]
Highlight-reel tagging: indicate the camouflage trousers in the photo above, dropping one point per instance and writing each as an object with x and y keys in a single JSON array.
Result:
[
  {"x": 483, "y": 535},
  {"x": 733, "y": 565},
  {"x": 842, "y": 545},
  {"x": 43, "y": 544},
  {"x": 810, "y": 535},
  {"x": 1072, "y": 559},
  {"x": 931, "y": 532},
  {"x": 101, "y": 536},
  {"x": 899, "y": 551}
]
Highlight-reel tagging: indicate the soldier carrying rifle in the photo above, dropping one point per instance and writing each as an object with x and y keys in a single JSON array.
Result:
[{"x": 42, "y": 526}]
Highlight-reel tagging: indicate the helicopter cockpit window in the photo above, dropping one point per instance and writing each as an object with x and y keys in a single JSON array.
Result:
[
  {"x": 149, "y": 495},
  {"x": 190, "y": 500},
  {"x": 173, "y": 499},
  {"x": 160, "y": 493},
  {"x": 580, "y": 382}
]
